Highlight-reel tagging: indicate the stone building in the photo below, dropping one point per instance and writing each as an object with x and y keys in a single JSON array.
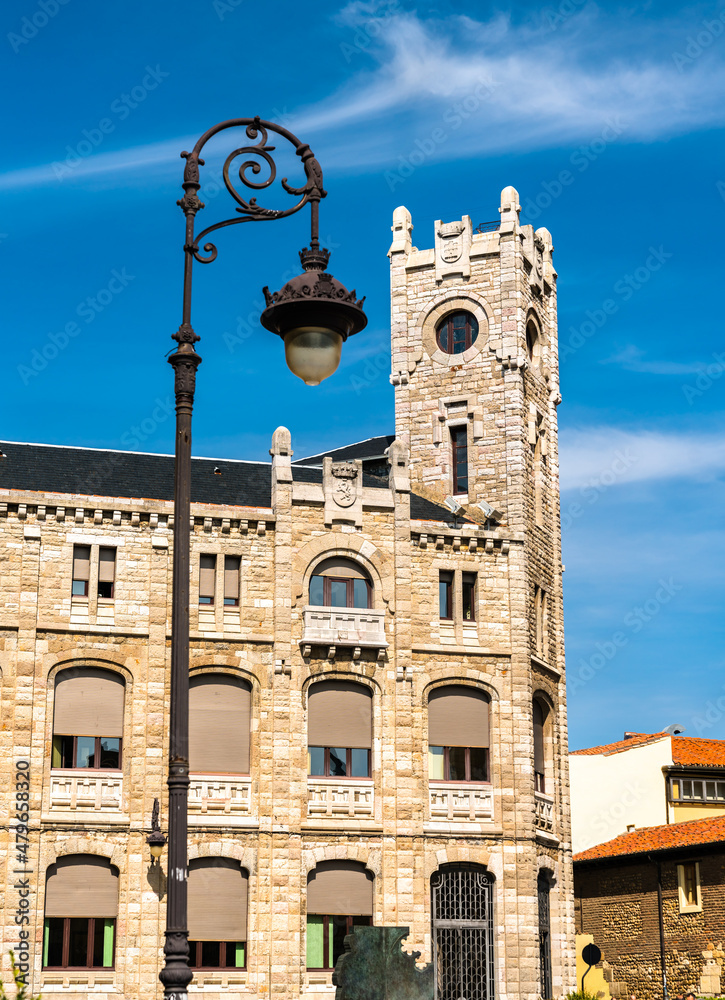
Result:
[
  {"x": 378, "y": 719},
  {"x": 653, "y": 901}
]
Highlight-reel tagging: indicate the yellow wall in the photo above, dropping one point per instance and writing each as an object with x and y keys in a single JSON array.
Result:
[
  {"x": 681, "y": 812},
  {"x": 595, "y": 982}
]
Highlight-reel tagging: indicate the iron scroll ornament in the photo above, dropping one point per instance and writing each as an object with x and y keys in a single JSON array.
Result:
[{"x": 312, "y": 191}]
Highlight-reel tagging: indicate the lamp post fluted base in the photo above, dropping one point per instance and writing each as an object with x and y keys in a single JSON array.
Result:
[{"x": 176, "y": 974}]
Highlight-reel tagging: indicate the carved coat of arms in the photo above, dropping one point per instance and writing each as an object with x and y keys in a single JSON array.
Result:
[{"x": 343, "y": 492}]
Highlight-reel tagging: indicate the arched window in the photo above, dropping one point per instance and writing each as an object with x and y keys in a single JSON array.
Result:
[
  {"x": 88, "y": 719},
  {"x": 217, "y": 914},
  {"x": 533, "y": 342},
  {"x": 540, "y": 715},
  {"x": 462, "y": 917},
  {"x": 340, "y": 583},
  {"x": 339, "y": 730},
  {"x": 458, "y": 737},
  {"x": 339, "y": 899},
  {"x": 219, "y": 719},
  {"x": 81, "y": 906},
  {"x": 457, "y": 332}
]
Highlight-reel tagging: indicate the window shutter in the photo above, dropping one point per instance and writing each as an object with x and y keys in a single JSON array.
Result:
[
  {"x": 106, "y": 565},
  {"x": 81, "y": 885},
  {"x": 340, "y": 715},
  {"x": 458, "y": 717},
  {"x": 539, "y": 719},
  {"x": 219, "y": 717},
  {"x": 340, "y": 567},
  {"x": 342, "y": 887},
  {"x": 217, "y": 900},
  {"x": 81, "y": 562},
  {"x": 88, "y": 702},
  {"x": 207, "y": 574},
  {"x": 231, "y": 577}
]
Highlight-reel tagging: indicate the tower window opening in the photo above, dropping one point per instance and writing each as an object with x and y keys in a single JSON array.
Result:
[
  {"x": 457, "y": 332},
  {"x": 459, "y": 446}
]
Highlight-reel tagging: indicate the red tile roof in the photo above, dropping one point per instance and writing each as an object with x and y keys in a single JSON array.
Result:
[
  {"x": 687, "y": 751},
  {"x": 659, "y": 838}
]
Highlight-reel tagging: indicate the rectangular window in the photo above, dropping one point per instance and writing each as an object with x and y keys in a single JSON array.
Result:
[
  {"x": 338, "y": 592},
  {"x": 207, "y": 579},
  {"x": 218, "y": 954},
  {"x": 540, "y": 613},
  {"x": 81, "y": 570},
  {"x": 459, "y": 446},
  {"x": 445, "y": 594},
  {"x": 457, "y": 763},
  {"x": 78, "y": 943},
  {"x": 83, "y": 752},
  {"x": 468, "y": 594},
  {"x": 688, "y": 884},
  {"x": 687, "y": 790},
  {"x": 326, "y": 937},
  {"x": 106, "y": 572},
  {"x": 338, "y": 762},
  {"x": 231, "y": 581}
]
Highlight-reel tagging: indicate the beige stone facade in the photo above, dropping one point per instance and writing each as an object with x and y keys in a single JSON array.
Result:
[{"x": 275, "y": 821}]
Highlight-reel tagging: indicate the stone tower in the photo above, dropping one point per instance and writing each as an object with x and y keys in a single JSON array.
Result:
[{"x": 475, "y": 370}]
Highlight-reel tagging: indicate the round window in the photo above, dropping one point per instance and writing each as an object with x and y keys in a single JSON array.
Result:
[{"x": 457, "y": 332}]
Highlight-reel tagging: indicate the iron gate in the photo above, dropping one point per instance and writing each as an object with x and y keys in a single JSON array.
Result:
[
  {"x": 545, "y": 987},
  {"x": 462, "y": 908}
]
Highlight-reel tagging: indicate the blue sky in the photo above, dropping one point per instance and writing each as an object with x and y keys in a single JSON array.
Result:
[{"x": 607, "y": 119}]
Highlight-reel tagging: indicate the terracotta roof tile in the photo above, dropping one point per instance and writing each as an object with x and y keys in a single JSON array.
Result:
[
  {"x": 659, "y": 838},
  {"x": 687, "y": 751}
]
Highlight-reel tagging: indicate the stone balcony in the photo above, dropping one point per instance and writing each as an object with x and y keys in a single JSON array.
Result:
[
  {"x": 544, "y": 812},
  {"x": 361, "y": 628},
  {"x": 455, "y": 802},
  {"x": 75, "y": 793},
  {"x": 220, "y": 799},
  {"x": 331, "y": 797}
]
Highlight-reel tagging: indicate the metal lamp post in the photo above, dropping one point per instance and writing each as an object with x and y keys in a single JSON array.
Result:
[{"x": 314, "y": 314}]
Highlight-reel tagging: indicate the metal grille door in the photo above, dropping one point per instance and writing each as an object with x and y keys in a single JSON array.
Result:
[
  {"x": 544, "y": 938},
  {"x": 463, "y": 933}
]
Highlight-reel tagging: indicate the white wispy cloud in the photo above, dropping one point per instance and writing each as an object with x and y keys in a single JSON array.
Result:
[
  {"x": 632, "y": 358},
  {"x": 608, "y": 456},
  {"x": 491, "y": 86}
]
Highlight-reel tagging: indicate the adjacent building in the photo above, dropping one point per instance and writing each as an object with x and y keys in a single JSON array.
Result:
[{"x": 377, "y": 712}]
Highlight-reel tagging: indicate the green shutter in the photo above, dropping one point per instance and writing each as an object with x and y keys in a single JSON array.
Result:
[
  {"x": 46, "y": 942},
  {"x": 315, "y": 942},
  {"x": 239, "y": 955},
  {"x": 56, "y": 759},
  {"x": 108, "y": 928}
]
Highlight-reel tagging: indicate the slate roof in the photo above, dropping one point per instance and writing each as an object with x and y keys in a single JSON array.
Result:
[
  {"x": 142, "y": 476},
  {"x": 370, "y": 448},
  {"x": 687, "y": 751},
  {"x": 651, "y": 839}
]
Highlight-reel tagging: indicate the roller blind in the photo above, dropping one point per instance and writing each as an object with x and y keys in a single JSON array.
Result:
[
  {"x": 539, "y": 718},
  {"x": 88, "y": 702},
  {"x": 458, "y": 717},
  {"x": 106, "y": 565},
  {"x": 343, "y": 887},
  {"x": 337, "y": 566},
  {"x": 81, "y": 562},
  {"x": 219, "y": 714},
  {"x": 81, "y": 885},
  {"x": 217, "y": 900},
  {"x": 340, "y": 715},
  {"x": 231, "y": 577},
  {"x": 207, "y": 573}
]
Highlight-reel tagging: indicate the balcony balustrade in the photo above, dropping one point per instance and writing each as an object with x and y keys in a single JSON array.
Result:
[
  {"x": 544, "y": 812},
  {"x": 456, "y": 801},
  {"x": 84, "y": 791},
  {"x": 328, "y": 797},
  {"x": 222, "y": 795},
  {"x": 363, "y": 628}
]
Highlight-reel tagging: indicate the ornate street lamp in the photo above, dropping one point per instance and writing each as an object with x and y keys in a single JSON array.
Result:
[{"x": 314, "y": 314}]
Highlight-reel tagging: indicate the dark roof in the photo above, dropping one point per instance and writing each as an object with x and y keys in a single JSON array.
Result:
[
  {"x": 45, "y": 468},
  {"x": 134, "y": 475},
  {"x": 370, "y": 448}
]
